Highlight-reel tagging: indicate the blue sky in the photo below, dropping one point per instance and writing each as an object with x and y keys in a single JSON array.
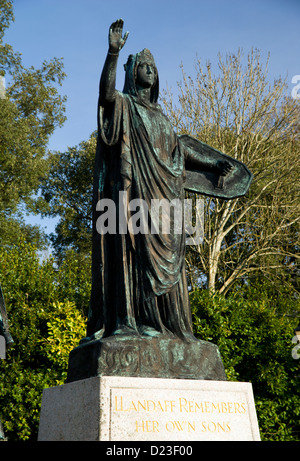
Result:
[{"x": 175, "y": 31}]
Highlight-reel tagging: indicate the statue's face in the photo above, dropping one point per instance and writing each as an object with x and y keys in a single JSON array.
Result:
[{"x": 146, "y": 75}]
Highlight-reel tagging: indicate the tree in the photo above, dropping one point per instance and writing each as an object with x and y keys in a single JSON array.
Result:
[
  {"x": 240, "y": 113},
  {"x": 255, "y": 340},
  {"x": 67, "y": 193},
  {"x": 47, "y": 317},
  {"x": 30, "y": 111}
]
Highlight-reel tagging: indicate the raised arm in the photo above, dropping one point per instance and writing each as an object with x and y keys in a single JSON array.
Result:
[{"x": 108, "y": 77}]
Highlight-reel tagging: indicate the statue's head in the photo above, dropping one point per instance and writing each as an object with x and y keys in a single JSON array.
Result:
[{"x": 139, "y": 64}]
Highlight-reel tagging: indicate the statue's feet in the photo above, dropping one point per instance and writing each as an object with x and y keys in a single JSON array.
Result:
[
  {"x": 125, "y": 330},
  {"x": 98, "y": 335},
  {"x": 145, "y": 330}
]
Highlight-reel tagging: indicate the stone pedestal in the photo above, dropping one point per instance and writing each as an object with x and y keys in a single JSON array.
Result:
[
  {"x": 112, "y": 408},
  {"x": 146, "y": 358}
]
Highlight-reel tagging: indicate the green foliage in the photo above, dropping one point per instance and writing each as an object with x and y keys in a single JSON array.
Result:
[
  {"x": 47, "y": 303},
  {"x": 47, "y": 308},
  {"x": 21, "y": 389},
  {"x": 254, "y": 335},
  {"x": 30, "y": 111},
  {"x": 65, "y": 326},
  {"x": 46, "y": 317},
  {"x": 73, "y": 280},
  {"x": 8, "y": 58},
  {"x": 6, "y": 15},
  {"x": 14, "y": 227},
  {"x": 67, "y": 193}
]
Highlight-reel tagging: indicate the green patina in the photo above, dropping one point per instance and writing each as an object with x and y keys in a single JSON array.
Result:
[{"x": 139, "y": 286}]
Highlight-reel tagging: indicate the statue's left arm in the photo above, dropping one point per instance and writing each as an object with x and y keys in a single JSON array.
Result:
[{"x": 201, "y": 162}]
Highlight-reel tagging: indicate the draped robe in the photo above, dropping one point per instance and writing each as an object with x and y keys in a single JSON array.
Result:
[{"x": 139, "y": 283}]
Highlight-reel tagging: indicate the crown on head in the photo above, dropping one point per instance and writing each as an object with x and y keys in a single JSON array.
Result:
[{"x": 145, "y": 56}]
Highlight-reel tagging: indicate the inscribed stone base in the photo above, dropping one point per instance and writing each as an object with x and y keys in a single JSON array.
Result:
[
  {"x": 115, "y": 408},
  {"x": 158, "y": 357}
]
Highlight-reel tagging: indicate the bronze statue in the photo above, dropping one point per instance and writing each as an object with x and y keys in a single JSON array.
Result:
[
  {"x": 139, "y": 284},
  {"x": 139, "y": 321}
]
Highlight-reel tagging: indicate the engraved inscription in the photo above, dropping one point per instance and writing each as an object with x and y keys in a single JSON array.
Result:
[{"x": 196, "y": 415}]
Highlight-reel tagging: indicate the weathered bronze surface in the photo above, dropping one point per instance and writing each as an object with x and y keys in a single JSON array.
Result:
[
  {"x": 147, "y": 358},
  {"x": 139, "y": 287},
  {"x": 211, "y": 183}
]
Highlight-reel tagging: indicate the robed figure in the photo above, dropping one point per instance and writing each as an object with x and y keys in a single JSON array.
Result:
[{"x": 139, "y": 285}]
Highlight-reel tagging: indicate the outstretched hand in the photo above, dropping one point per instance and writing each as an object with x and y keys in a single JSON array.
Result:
[
  {"x": 116, "y": 41},
  {"x": 224, "y": 167}
]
